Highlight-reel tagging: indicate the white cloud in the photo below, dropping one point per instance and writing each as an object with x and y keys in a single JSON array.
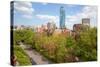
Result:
[
  {"x": 24, "y": 3},
  {"x": 87, "y": 12},
  {"x": 27, "y": 16},
  {"x": 47, "y": 17},
  {"x": 70, "y": 5},
  {"x": 71, "y": 18},
  {"x": 44, "y": 3},
  {"x": 24, "y": 8}
]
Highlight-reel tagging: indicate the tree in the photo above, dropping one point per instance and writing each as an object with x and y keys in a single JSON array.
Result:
[
  {"x": 70, "y": 47},
  {"x": 29, "y": 36},
  {"x": 86, "y": 48},
  {"x": 17, "y": 36},
  {"x": 25, "y": 36}
]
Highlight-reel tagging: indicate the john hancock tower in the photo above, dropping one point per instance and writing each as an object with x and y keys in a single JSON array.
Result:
[{"x": 62, "y": 18}]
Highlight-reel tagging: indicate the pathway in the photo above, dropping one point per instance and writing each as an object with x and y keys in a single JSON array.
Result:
[{"x": 34, "y": 55}]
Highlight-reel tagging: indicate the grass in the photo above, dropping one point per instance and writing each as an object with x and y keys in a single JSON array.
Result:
[{"x": 22, "y": 57}]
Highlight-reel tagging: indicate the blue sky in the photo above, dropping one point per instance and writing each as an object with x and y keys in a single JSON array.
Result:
[{"x": 36, "y": 13}]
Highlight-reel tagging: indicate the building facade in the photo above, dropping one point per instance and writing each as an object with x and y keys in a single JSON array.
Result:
[
  {"x": 62, "y": 18},
  {"x": 86, "y": 21},
  {"x": 77, "y": 27}
]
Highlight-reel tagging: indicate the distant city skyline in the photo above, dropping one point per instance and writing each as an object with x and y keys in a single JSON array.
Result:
[{"x": 36, "y": 13}]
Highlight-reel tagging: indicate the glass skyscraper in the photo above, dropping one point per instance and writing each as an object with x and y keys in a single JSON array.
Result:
[{"x": 62, "y": 18}]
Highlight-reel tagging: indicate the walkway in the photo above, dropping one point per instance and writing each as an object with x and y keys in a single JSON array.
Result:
[{"x": 34, "y": 55}]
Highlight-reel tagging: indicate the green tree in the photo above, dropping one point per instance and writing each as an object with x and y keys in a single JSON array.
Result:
[
  {"x": 70, "y": 48},
  {"x": 26, "y": 36},
  {"x": 86, "y": 48}
]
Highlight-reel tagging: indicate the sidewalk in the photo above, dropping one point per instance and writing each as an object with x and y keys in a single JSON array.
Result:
[{"x": 36, "y": 57}]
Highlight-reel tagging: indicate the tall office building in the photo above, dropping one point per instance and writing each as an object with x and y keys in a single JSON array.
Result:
[{"x": 62, "y": 18}]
